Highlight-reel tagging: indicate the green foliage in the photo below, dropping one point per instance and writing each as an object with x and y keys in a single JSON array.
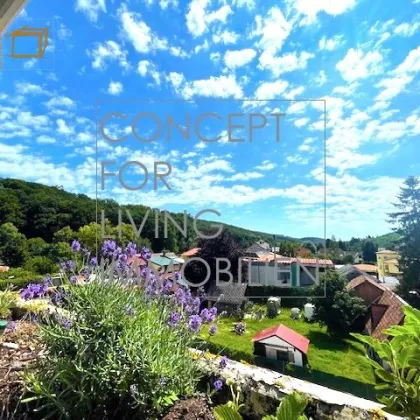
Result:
[
  {"x": 111, "y": 359},
  {"x": 17, "y": 278},
  {"x": 65, "y": 234},
  {"x": 13, "y": 245},
  {"x": 7, "y": 299},
  {"x": 399, "y": 385},
  {"x": 37, "y": 247},
  {"x": 348, "y": 259},
  {"x": 340, "y": 310},
  {"x": 291, "y": 408},
  {"x": 60, "y": 251},
  {"x": 369, "y": 252},
  {"x": 407, "y": 221},
  {"x": 41, "y": 265},
  {"x": 226, "y": 412}
]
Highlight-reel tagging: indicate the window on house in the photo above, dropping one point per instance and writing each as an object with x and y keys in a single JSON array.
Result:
[{"x": 283, "y": 277}]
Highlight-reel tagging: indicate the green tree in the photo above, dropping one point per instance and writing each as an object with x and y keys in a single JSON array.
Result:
[
  {"x": 369, "y": 251},
  {"x": 340, "y": 310},
  {"x": 348, "y": 259},
  {"x": 13, "y": 245},
  {"x": 37, "y": 247},
  {"x": 310, "y": 246},
  {"x": 65, "y": 234},
  {"x": 60, "y": 251},
  {"x": 40, "y": 265},
  {"x": 407, "y": 221},
  {"x": 399, "y": 384}
]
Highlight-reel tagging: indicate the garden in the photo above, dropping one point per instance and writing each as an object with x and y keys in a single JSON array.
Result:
[{"x": 339, "y": 363}]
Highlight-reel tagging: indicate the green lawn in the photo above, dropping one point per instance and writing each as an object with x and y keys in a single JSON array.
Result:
[{"x": 335, "y": 358}]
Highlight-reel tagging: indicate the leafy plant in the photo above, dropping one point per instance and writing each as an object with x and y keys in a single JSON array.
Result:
[
  {"x": 111, "y": 348},
  {"x": 399, "y": 382},
  {"x": 290, "y": 408},
  {"x": 230, "y": 410},
  {"x": 7, "y": 299}
]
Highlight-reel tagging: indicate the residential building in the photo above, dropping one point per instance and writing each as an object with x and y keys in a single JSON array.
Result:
[
  {"x": 257, "y": 251},
  {"x": 226, "y": 296},
  {"x": 264, "y": 245},
  {"x": 166, "y": 263},
  {"x": 282, "y": 343},
  {"x": 385, "y": 306},
  {"x": 281, "y": 271},
  {"x": 193, "y": 252},
  {"x": 388, "y": 263},
  {"x": 350, "y": 271}
]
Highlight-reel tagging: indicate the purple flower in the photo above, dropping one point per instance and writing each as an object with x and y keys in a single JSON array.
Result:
[
  {"x": 167, "y": 287},
  {"x": 47, "y": 280},
  {"x": 58, "y": 297},
  {"x": 34, "y": 318},
  {"x": 177, "y": 275},
  {"x": 208, "y": 315},
  {"x": 218, "y": 385},
  {"x": 34, "y": 290},
  {"x": 67, "y": 324},
  {"x": 163, "y": 380},
  {"x": 194, "y": 323},
  {"x": 213, "y": 329},
  {"x": 180, "y": 297},
  {"x": 196, "y": 305},
  {"x": 174, "y": 319},
  {"x": 73, "y": 279},
  {"x": 145, "y": 253},
  {"x": 68, "y": 266},
  {"x": 109, "y": 249},
  {"x": 11, "y": 326},
  {"x": 94, "y": 262},
  {"x": 223, "y": 362},
  {"x": 131, "y": 249},
  {"x": 75, "y": 246}
]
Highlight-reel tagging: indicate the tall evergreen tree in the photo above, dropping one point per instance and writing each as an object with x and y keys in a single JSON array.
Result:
[{"x": 407, "y": 221}]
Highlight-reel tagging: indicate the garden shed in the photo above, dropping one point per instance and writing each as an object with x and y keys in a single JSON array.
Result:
[{"x": 283, "y": 344}]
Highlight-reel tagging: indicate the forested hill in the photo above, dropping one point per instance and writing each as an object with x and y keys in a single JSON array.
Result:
[{"x": 40, "y": 211}]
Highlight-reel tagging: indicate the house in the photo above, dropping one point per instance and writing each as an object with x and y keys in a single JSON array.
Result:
[
  {"x": 286, "y": 271},
  {"x": 257, "y": 251},
  {"x": 226, "y": 296},
  {"x": 282, "y": 343},
  {"x": 193, "y": 252},
  {"x": 388, "y": 264},
  {"x": 385, "y": 307},
  {"x": 264, "y": 245},
  {"x": 357, "y": 257},
  {"x": 350, "y": 271}
]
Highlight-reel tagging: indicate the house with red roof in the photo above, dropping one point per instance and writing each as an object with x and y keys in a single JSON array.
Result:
[{"x": 282, "y": 343}]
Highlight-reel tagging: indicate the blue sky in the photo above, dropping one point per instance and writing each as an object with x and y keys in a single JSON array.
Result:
[{"x": 361, "y": 57}]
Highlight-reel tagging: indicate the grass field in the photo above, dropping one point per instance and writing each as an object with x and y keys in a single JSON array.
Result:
[{"x": 342, "y": 359}]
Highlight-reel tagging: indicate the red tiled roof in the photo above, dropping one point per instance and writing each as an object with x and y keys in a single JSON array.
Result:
[
  {"x": 191, "y": 252},
  {"x": 369, "y": 268},
  {"x": 281, "y": 331},
  {"x": 137, "y": 258},
  {"x": 385, "y": 311}
]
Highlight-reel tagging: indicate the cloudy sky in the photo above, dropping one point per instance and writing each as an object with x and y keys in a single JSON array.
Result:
[{"x": 358, "y": 59}]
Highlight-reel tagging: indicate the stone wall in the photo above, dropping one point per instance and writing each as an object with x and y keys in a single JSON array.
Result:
[{"x": 262, "y": 389}]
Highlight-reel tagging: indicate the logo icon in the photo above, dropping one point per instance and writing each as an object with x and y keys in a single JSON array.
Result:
[{"x": 20, "y": 35}]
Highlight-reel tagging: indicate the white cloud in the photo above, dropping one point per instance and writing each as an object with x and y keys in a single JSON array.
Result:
[
  {"x": 26, "y": 88},
  {"x": 269, "y": 90},
  {"x": 310, "y": 8},
  {"x": 411, "y": 64},
  {"x": 272, "y": 30},
  {"x": 239, "y": 58},
  {"x": 301, "y": 122},
  {"x": 106, "y": 52},
  {"x": 266, "y": 165},
  {"x": 213, "y": 87},
  {"x": 147, "y": 68},
  {"x": 331, "y": 44},
  {"x": 357, "y": 65},
  {"x": 407, "y": 29},
  {"x": 215, "y": 56},
  {"x": 91, "y": 8},
  {"x": 225, "y": 37},
  {"x": 60, "y": 102},
  {"x": 63, "y": 128},
  {"x": 321, "y": 79},
  {"x": 285, "y": 63},
  {"x": 115, "y": 88},
  {"x": 44, "y": 139},
  {"x": 199, "y": 17},
  {"x": 392, "y": 87},
  {"x": 245, "y": 176}
]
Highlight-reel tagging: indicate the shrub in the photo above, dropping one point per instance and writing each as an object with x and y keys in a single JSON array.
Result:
[
  {"x": 7, "y": 300},
  {"x": 17, "y": 278},
  {"x": 40, "y": 265},
  {"x": 117, "y": 350}
]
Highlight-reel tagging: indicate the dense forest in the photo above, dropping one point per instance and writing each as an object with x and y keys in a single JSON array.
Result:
[{"x": 39, "y": 211}]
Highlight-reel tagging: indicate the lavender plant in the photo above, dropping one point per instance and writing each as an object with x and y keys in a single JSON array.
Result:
[{"x": 119, "y": 341}]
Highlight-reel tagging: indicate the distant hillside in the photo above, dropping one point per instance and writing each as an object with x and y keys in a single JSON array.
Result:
[
  {"x": 40, "y": 211},
  {"x": 388, "y": 240}
]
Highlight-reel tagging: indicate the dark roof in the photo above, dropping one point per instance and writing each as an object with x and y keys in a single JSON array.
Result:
[
  {"x": 227, "y": 292},
  {"x": 256, "y": 248},
  {"x": 286, "y": 334}
]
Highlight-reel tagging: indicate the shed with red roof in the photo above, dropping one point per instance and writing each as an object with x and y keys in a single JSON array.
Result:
[{"x": 282, "y": 343}]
